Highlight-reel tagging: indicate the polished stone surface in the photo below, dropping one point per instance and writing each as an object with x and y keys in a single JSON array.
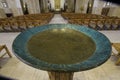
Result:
[{"x": 100, "y": 55}]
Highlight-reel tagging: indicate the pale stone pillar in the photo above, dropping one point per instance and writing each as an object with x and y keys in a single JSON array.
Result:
[
  {"x": 33, "y": 6},
  {"x": 29, "y": 6},
  {"x": 45, "y": 5},
  {"x": 90, "y": 6},
  {"x": 52, "y": 4},
  {"x": 62, "y": 2},
  {"x": 2, "y": 13},
  {"x": 85, "y": 4},
  {"x": 70, "y": 5},
  {"x": 0, "y": 4},
  {"x": 114, "y": 10},
  {"x": 97, "y": 7},
  {"x": 37, "y": 6},
  {"x": 81, "y": 6},
  {"x": 15, "y": 7}
]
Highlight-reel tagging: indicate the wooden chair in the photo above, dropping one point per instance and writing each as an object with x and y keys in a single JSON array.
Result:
[
  {"x": 22, "y": 25},
  {"x": 92, "y": 24},
  {"x": 2, "y": 47},
  {"x": 29, "y": 23},
  {"x": 117, "y": 47},
  {"x": 6, "y": 49},
  {"x": 6, "y": 26},
  {"x": 100, "y": 25},
  {"x": 1, "y": 27},
  {"x": 14, "y": 26}
]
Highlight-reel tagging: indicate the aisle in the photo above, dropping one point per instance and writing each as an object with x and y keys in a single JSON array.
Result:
[{"x": 58, "y": 19}]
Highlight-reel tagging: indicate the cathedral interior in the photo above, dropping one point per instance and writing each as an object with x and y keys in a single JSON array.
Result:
[{"x": 17, "y": 16}]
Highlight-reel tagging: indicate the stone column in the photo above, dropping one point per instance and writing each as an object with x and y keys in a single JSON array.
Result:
[
  {"x": 37, "y": 6},
  {"x": 2, "y": 12},
  {"x": 15, "y": 7},
  {"x": 81, "y": 6},
  {"x": 70, "y": 5},
  {"x": 60, "y": 75},
  {"x": 45, "y": 5},
  {"x": 62, "y": 2},
  {"x": 52, "y": 4},
  {"x": 29, "y": 6},
  {"x": 114, "y": 10},
  {"x": 90, "y": 6},
  {"x": 97, "y": 7},
  {"x": 33, "y": 6},
  {"x": 41, "y": 6}
]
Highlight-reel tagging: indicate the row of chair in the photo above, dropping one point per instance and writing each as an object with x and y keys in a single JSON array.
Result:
[
  {"x": 98, "y": 23},
  {"x": 21, "y": 23},
  {"x": 85, "y": 16},
  {"x": 41, "y": 16}
]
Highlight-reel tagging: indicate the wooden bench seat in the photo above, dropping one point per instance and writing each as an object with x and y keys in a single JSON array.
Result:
[{"x": 117, "y": 47}]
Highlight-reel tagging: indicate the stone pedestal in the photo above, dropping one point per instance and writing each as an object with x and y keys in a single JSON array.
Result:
[{"x": 60, "y": 75}]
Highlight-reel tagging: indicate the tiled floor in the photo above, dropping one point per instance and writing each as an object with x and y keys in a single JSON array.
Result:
[
  {"x": 57, "y": 19},
  {"x": 18, "y": 70}
]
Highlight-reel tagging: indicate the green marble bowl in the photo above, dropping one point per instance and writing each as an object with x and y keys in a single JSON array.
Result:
[{"x": 62, "y": 47}]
